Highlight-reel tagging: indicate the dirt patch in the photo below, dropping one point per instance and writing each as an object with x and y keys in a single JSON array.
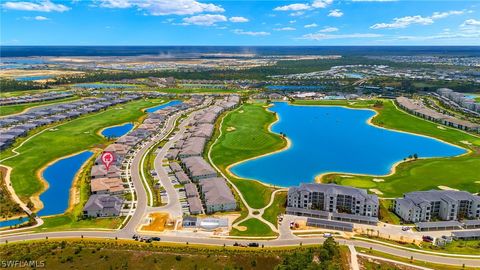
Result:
[
  {"x": 440, "y": 127},
  {"x": 241, "y": 228},
  {"x": 230, "y": 129},
  {"x": 158, "y": 222},
  {"x": 447, "y": 188},
  {"x": 376, "y": 191}
]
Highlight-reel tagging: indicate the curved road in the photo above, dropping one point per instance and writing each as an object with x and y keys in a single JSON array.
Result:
[{"x": 284, "y": 240}]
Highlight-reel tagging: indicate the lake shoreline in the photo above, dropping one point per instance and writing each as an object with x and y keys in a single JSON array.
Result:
[{"x": 369, "y": 121}]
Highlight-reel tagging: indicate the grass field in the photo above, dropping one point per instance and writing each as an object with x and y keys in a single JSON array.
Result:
[
  {"x": 254, "y": 227},
  {"x": 276, "y": 208},
  {"x": 414, "y": 261},
  {"x": 74, "y": 136},
  {"x": 69, "y": 222},
  {"x": 17, "y": 108},
  {"x": 423, "y": 174},
  {"x": 245, "y": 135},
  {"x": 121, "y": 254}
]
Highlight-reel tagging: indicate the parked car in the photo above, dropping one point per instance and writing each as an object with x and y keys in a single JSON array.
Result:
[
  {"x": 327, "y": 235},
  {"x": 155, "y": 238},
  {"x": 405, "y": 228},
  {"x": 427, "y": 238},
  {"x": 253, "y": 244}
]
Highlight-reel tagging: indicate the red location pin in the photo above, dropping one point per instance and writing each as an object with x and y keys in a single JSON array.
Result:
[{"x": 107, "y": 159}]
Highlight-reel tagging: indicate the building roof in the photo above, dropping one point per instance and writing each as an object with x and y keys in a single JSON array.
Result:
[
  {"x": 438, "y": 224},
  {"x": 197, "y": 166},
  {"x": 102, "y": 202},
  {"x": 111, "y": 185}
]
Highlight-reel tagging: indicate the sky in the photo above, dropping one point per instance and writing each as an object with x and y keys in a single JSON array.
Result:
[{"x": 247, "y": 22}]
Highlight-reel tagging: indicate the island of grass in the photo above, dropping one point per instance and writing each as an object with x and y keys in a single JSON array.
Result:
[
  {"x": 72, "y": 137},
  {"x": 459, "y": 172},
  {"x": 277, "y": 207},
  {"x": 245, "y": 135},
  {"x": 253, "y": 227}
]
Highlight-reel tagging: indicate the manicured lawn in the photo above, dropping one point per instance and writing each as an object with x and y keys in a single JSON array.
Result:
[
  {"x": 277, "y": 207},
  {"x": 245, "y": 135},
  {"x": 74, "y": 136},
  {"x": 423, "y": 174},
  {"x": 254, "y": 228},
  {"x": 68, "y": 222},
  {"x": 385, "y": 215},
  {"x": 13, "y": 109}
]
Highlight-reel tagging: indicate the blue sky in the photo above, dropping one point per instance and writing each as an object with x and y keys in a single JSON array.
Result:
[{"x": 248, "y": 22}]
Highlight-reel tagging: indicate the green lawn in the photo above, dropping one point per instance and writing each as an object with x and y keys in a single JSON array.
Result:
[
  {"x": 254, "y": 228},
  {"x": 387, "y": 216},
  {"x": 72, "y": 137},
  {"x": 17, "y": 108},
  {"x": 69, "y": 222},
  {"x": 245, "y": 135},
  {"x": 276, "y": 208},
  {"x": 423, "y": 174}
]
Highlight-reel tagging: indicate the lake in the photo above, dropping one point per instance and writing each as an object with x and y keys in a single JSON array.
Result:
[
  {"x": 102, "y": 85},
  {"x": 117, "y": 131},
  {"x": 295, "y": 87},
  {"x": 159, "y": 107},
  {"x": 60, "y": 176},
  {"x": 34, "y": 78},
  {"x": 12, "y": 222},
  {"x": 335, "y": 139}
]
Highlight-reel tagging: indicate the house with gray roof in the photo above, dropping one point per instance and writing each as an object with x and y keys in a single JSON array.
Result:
[
  {"x": 424, "y": 206},
  {"x": 103, "y": 205},
  {"x": 191, "y": 190},
  {"x": 182, "y": 177},
  {"x": 333, "y": 198},
  {"x": 193, "y": 146},
  {"x": 216, "y": 195},
  {"x": 195, "y": 205},
  {"x": 197, "y": 168}
]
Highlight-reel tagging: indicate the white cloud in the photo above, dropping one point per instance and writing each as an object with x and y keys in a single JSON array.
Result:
[
  {"x": 374, "y": 0},
  {"x": 310, "y": 25},
  {"x": 43, "y": 6},
  {"x": 41, "y": 18},
  {"x": 304, "y": 6},
  {"x": 164, "y": 7},
  {"x": 250, "y": 33},
  {"x": 328, "y": 30},
  {"x": 285, "y": 29},
  {"x": 238, "y": 19},
  {"x": 406, "y": 21},
  {"x": 293, "y": 7},
  {"x": 297, "y": 13},
  {"x": 321, "y": 3},
  {"x": 322, "y": 36},
  {"x": 335, "y": 13},
  {"x": 471, "y": 22},
  {"x": 205, "y": 20},
  {"x": 293, "y": 21}
]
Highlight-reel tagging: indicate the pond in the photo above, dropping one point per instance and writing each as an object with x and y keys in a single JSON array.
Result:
[
  {"x": 117, "y": 131},
  {"x": 295, "y": 87},
  {"x": 164, "y": 105},
  {"x": 102, "y": 85},
  {"x": 335, "y": 139},
  {"x": 33, "y": 78},
  {"x": 12, "y": 222},
  {"x": 60, "y": 176}
]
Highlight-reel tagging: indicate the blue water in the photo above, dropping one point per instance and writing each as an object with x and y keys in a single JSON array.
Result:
[
  {"x": 33, "y": 78},
  {"x": 159, "y": 107},
  {"x": 471, "y": 96},
  {"x": 335, "y": 139},
  {"x": 60, "y": 177},
  {"x": 12, "y": 222},
  {"x": 117, "y": 131},
  {"x": 295, "y": 87},
  {"x": 102, "y": 85}
]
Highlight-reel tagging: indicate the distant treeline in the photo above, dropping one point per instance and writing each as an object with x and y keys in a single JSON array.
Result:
[
  {"x": 255, "y": 73},
  {"x": 9, "y": 85}
]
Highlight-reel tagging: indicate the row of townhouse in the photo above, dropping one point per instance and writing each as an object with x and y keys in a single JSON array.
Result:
[
  {"x": 34, "y": 98},
  {"x": 433, "y": 205},
  {"x": 199, "y": 178},
  {"x": 460, "y": 99},
  {"x": 416, "y": 107},
  {"x": 107, "y": 186},
  {"x": 335, "y": 202},
  {"x": 15, "y": 126}
]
